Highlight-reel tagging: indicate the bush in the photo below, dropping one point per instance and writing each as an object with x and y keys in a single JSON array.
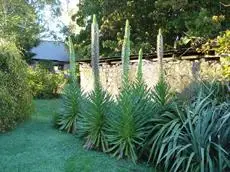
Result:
[
  {"x": 15, "y": 95},
  {"x": 45, "y": 83}
]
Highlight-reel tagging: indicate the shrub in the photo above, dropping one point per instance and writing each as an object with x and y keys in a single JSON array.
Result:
[
  {"x": 15, "y": 95},
  {"x": 44, "y": 83}
]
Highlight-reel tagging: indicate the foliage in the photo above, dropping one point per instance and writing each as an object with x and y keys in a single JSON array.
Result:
[
  {"x": 224, "y": 48},
  {"x": 71, "y": 108},
  {"x": 19, "y": 24},
  {"x": 127, "y": 127},
  {"x": 45, "y": 83},
  {"x": 225, "y": 64},
  {"x": 224, "y": 43},
  {"x": 94, "y": 120},
  {"x": 15, "y": 95},
  {"x": 72, "y": 98},
  {"x": 176, "y": 18},
  {"x": 195, "y": 144},
  {"x": 187, "y": 137}
]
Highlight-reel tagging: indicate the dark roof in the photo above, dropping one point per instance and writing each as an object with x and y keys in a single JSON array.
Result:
[
  {"x": 187, "y": 54},
  {"x": 51, "y": 50}
]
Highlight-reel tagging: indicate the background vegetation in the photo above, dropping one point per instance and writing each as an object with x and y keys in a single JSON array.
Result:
[
  {"x": 15, "y": 93},
  {"x": 44, "y": 82},
  {"x": 177, "y": 18}
]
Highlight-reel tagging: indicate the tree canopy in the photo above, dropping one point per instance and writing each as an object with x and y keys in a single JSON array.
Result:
[
  {"x": 177, "y": 18},
  {"x": 20, "y": 22}
]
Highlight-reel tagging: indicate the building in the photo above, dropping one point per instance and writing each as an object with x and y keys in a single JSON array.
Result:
[{"x": 53, "y": 51}]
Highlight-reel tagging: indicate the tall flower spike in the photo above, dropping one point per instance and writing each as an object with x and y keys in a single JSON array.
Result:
[
  {"x": 72, "y": 60},
  {"x": 139, "y": 69},
  {"x": 95, "y": 51},
  {"x": 126, "y": 52},
  {"x": 160, "y": 52}
]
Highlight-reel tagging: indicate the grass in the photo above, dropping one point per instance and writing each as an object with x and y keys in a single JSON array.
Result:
[{"x": 35, "y": 146}]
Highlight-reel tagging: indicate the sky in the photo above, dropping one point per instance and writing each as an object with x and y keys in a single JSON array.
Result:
[{"x": 53, "y": 24}]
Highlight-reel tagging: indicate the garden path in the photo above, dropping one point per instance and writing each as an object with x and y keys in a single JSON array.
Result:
[{"x": 36, "y": 146}]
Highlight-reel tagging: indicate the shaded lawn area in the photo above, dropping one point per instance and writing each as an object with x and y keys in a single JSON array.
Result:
[{"x": 35, "y": 146}]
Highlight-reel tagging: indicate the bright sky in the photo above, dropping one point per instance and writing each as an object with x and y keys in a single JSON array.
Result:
[{"x": 68, "y": 7}]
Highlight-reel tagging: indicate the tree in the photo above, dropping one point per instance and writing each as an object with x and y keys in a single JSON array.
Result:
[
  {"x": 20, "y": 23},
  {"x": 175, "y": 17}
]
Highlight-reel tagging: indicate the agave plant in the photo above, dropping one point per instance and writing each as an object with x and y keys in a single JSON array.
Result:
[
  {"x": 72, "y": 98},
  {"x": 93, "y": 121}
]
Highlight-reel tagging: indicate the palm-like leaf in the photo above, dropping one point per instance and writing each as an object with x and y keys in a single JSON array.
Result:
[{"x": 93, "y": 122}]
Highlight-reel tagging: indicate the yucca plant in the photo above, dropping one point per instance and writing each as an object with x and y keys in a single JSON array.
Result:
[
  {"x": 93, "y": 121},
  {"x": 72, "y": 98},
  {"x": 196, "y": 145},
  {"x": 127, "y": 130}
]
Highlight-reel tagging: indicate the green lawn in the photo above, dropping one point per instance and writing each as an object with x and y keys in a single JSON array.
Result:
[{"x": 36, "y": 146}]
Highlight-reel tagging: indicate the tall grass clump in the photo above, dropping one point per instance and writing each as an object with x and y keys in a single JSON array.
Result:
[
  {"x": 93, "y": 121},
  {"x": 126, "y": 131},
  {"x": 72, "y": 98}
]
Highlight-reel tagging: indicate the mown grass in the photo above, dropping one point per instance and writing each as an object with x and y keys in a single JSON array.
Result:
[{"x": 35, "y": 146}]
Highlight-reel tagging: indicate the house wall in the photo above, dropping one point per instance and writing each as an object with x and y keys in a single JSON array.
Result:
[{"x": 179, "y": 73}]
